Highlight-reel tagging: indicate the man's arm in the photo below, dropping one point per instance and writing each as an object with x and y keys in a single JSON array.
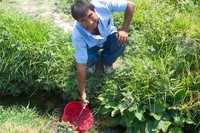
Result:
[
  {"x": 81, "y": 75},
  {"x": 123, "y": 32},
  {"x": 81, "y": 62}
]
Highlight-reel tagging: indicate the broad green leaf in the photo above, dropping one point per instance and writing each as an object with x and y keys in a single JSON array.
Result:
[
  {"x": 179, "y": 120},
  {"x": 130, "y": 130},
  {"x": 100, "y": 98},
  {"x": 114, "y": 112},
  {"x": 157, "y": 108},
  {"x": 180, "y": 95},
  {"x": 151, "y": 126},
  {"x": 156, "y": 116},
  {"x": 175, "y": 130},
  {"x": 122, "y": 107},
  {"x": 164, "y": 125},
  {"x": 133, "y": 108},
  {"x": 139, "y": 115},
  {"x": 139, "y": 127},
  {"x": 188, "y": 120}
]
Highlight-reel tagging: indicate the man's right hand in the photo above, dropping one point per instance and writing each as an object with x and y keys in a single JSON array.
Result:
[
  {"x": 81, "y": 74},
  {"x": 84, "y": 100}
]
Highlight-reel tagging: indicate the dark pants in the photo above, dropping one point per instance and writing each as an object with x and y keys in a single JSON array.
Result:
[{"x": 112, "y": 49}]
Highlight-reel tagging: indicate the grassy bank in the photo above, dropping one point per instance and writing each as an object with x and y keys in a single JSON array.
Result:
[
  {"x": 156, "y": 87},
  {"x": 34, "y": 55},
  {"x": 18, "y": 119}
]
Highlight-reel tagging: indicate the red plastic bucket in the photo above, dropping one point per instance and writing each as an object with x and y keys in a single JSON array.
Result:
[{"x": 80, "y": 118}]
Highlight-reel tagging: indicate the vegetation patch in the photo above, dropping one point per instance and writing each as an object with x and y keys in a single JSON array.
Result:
[
  {"x": 34, "y": 55},
  {"x": 155, "y": 88},
  {"x": 22, "y": 119}
]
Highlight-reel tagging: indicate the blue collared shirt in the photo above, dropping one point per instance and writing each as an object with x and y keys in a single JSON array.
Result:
[{"x": 82, "y": 39}]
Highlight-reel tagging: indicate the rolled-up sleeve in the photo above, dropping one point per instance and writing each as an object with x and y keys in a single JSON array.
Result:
[
  {"x": 117, "y": 5},
  {"x": 80, "y": 50}
]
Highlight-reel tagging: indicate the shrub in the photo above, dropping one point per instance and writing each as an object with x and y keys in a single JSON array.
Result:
[{"x": 156, "y": 87}]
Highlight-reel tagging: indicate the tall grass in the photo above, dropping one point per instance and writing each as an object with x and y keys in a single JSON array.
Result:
[{"x": 34, "y": 55}]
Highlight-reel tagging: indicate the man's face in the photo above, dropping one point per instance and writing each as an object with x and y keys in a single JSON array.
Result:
[{"x": 89, "y": 22}]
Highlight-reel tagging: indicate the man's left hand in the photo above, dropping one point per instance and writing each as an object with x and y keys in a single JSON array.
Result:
[{"x": 122, "y": 36}]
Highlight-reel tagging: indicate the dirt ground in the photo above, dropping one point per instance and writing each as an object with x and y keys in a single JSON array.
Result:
[{"x": 41, "y": 9}]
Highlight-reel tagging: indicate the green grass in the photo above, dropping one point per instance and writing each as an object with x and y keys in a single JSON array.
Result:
[
  {"x": 23, "y": 119},
  {"x": 34, "y": 54},
  {"x": 19, "y": 119}
]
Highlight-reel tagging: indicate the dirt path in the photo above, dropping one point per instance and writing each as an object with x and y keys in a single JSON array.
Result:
[
  {"x": 41, "y": 9},
  {"x": 49, "y": 10},
  {"x": 28, "y": 6}
]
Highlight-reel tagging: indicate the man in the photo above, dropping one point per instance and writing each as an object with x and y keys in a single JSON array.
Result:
[{"x": 94, "y": 30}]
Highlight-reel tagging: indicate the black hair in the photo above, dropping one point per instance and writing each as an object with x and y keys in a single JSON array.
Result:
[{"x": 80, "y": 8}]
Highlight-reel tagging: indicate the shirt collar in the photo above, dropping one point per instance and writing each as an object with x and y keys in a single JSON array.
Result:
[{"x": 84, "y": 31}]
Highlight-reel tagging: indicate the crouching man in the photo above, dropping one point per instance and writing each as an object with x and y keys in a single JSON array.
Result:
[{"x": 94, "y": 30}]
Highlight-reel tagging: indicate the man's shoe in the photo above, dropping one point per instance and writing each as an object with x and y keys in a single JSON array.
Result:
[
  {"x": 108, "y": 69},
  {"x": 91, "y": 69}
]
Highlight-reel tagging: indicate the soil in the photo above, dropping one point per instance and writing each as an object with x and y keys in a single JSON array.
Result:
[{"x": 41, "y": 9}]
